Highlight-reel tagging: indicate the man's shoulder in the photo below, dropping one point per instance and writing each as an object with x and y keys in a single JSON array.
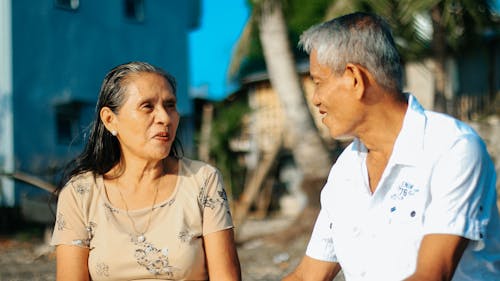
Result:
[{"x": 444, "y": 131}]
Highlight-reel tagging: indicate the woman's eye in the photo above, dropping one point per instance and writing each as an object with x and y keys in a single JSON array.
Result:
[{"x": 170, "y": 105}]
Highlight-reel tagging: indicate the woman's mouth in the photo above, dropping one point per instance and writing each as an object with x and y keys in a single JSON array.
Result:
[{"x": 163, "y": 136}]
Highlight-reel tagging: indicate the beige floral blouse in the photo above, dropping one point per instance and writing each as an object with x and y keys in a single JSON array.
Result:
[{"x": 172, "y": 247}]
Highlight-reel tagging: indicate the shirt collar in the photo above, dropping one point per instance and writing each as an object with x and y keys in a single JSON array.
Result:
[{"x": 409, "y": 145}]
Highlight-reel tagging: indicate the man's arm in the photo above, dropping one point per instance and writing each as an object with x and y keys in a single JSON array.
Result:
[
  {"x": 310, "y": 269},
  {"x": 438, "y": 257}
]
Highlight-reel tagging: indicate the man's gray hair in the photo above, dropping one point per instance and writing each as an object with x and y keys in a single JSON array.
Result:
[{"x": 358, "y": 38}]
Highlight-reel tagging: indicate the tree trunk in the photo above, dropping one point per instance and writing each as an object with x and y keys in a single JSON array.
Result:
[
  {"x": 308, "y": 150},
  {"x": 439, "y": 48}
]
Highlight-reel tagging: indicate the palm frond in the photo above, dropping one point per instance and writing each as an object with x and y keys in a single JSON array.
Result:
[{"x": 241, "y": 49}]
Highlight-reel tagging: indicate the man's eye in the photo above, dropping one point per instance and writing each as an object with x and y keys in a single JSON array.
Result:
[{"x": 147, "y": 106}]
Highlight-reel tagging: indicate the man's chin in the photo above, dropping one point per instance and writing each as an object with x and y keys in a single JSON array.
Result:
[{"x": 342, "y": 137}]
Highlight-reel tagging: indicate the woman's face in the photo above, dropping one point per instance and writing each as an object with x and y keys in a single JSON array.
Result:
[{"x": 147, "y": 122}]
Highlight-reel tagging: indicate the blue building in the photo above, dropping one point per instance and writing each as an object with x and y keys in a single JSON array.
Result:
[{"x": 53, "y": 57}]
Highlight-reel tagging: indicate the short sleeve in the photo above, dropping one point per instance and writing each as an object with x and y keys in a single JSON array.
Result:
[
  {"x": 70, "y": 227},
  {"x": 214, "y": 201},
  {"x": 320, "y": 245},
  {"x": 462, "y": 190}
]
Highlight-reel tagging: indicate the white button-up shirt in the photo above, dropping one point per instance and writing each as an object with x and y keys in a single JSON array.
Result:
[{"x": 439, "y": 179}]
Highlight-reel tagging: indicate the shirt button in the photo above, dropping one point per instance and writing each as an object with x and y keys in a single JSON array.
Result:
[{"x": 356, "y": 231}]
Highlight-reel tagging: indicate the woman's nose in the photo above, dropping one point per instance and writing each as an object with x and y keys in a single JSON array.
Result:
[{"x": 162, "y": 115}]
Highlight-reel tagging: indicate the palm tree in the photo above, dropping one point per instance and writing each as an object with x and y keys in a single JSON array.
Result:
[
  {"x": 268, "y": 22},
  {"x": 309, "y": 152},
  {"x": 308, "y": 149}
]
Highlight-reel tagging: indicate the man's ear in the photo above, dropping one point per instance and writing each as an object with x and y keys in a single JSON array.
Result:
[
  {"x": 108, "y": 118},
  {"x": 357, "y": 79}
]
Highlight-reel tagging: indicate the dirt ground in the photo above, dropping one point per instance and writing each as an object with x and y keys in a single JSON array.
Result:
[
  {"x": 268, "y": 249},
  {"x": 25, "y": 257}
]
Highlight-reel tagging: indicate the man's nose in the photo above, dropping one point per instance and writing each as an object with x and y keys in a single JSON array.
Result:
[{"x": 315, "y": 99}]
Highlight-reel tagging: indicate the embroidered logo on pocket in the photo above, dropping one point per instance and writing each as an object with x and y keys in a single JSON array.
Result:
[{"x": 404, "y": 190}]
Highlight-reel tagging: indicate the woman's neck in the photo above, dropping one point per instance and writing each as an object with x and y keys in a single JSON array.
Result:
[{"x": 142, "y": 173}]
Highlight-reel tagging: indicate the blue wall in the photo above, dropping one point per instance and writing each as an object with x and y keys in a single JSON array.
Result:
[{"x": 62, "y": 55}]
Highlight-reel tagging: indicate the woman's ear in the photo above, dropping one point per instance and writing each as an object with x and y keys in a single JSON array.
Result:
[{"x": 108, "y": 118}]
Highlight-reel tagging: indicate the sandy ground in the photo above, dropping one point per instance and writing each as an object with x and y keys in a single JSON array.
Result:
[{"x": 22, "y": 259}]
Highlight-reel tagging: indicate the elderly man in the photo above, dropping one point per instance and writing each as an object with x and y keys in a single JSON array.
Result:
[{"x": 413, "y": 196}]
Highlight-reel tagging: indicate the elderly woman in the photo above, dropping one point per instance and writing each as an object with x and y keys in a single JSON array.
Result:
[{"x": 130, "y": 207}]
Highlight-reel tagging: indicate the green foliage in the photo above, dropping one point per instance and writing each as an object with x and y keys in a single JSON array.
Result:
[
  {"x": 465, "y": 21},
  {"x": 227, "y": 125},
  {"x": 299, "y": 16}
]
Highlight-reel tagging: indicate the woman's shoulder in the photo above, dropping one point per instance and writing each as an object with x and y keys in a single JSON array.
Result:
[
  {"x": 196, "y": 167},
  {"x": 82, "y": 183}
]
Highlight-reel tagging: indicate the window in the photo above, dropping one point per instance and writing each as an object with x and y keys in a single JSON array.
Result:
[
  {"x": 134, "y": 10},
  {"x": 71, "y": 120},
  {"x": 68, "y": 4}
]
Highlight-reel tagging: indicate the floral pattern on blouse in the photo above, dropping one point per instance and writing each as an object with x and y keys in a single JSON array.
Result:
[
  {"x": 60, "y": 222},
  {"x": 81, "y": 187},
  {"x": 90, "y": 234},
  {"x": 168, "y": 203},
  {"x": 153, "y": 259},
  {"x": 102, "y": 269},
  {"x": 185, "y": 236},
  {"x": 209, "y": 202}
]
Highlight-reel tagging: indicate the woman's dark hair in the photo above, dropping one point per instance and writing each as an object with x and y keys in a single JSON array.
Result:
[{"x": 102, "y": 150}]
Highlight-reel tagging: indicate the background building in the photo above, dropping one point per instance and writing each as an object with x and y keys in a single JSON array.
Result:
[{"x": 53, "y": 57}]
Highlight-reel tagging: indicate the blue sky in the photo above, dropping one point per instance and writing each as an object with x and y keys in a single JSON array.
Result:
[{"x": 212, "y": 44}]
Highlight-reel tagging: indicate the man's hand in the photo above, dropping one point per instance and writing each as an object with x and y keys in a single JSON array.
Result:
[{"x": 311, "y": 269}]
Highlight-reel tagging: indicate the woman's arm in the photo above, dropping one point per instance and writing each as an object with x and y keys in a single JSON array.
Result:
[
  {"x": 72, "y": 263},
  {"x": 222, "y": 259}
]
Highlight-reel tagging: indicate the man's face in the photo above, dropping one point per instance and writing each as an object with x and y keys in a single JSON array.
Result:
[{"x": 334, "y": 97}]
